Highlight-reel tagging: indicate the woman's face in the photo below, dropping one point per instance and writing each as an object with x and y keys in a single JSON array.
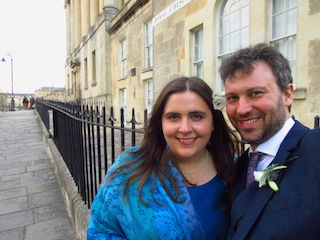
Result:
[{"x": 187, "y": 124}]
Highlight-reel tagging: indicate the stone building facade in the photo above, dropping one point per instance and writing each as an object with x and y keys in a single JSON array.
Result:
[
  {"x": 122, "y": 52},
  {"x": 51, "y": 93}
]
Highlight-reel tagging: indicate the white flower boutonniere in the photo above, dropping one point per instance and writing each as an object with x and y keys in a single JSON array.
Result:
[
  {"x": 270, "y": 175},
  {"x": 219, "y": 102}
]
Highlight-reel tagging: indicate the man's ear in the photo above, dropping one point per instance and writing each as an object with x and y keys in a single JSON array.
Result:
[{"x": 288, "y": 95}]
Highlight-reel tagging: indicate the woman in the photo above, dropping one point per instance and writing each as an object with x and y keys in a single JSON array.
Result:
[{"x": 174, "y": 185}]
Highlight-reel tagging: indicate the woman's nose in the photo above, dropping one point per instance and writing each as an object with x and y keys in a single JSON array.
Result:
[{"x": 185, "y": 126}]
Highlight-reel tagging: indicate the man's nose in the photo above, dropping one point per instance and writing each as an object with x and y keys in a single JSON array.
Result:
[{"x": 244, "y": 106}]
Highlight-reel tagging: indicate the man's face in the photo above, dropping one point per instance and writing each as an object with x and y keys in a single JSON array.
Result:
[{"x": 255, "y": 105}]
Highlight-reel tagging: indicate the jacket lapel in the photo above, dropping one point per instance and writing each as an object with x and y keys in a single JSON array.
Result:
[{"x": 260, "y": 197}]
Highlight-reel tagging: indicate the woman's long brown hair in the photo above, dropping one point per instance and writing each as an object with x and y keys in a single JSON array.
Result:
[{"x": 153, "y": 157}]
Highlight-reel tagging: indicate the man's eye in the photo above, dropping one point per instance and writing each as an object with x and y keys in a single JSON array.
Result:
[
  {"x": 231, "y": 98},
  {"x": 256, "y": 94}
]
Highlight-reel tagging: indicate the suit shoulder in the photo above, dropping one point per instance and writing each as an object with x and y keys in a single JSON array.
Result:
[{"x": 313, "y": 134}]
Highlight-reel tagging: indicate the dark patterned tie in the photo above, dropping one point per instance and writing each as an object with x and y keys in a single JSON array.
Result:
[{"x": 253, "y": 162}]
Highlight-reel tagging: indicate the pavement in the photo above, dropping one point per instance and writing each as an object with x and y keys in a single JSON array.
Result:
[{"x": 32, "y": 206}]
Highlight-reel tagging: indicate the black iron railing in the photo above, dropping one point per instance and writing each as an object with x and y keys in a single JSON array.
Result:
[{"x": 88, "y": 140}]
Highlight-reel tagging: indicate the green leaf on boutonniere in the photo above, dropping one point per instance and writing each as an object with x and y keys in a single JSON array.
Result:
[{"x": 290, "y": 159}]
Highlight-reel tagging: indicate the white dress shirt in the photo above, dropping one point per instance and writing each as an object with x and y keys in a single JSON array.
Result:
[{"x": 272, "y": 145}]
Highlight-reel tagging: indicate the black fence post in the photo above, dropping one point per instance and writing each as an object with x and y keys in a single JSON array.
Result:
[
  {"x": 104, "y": 121},
  {"x": 121, "y": 131},
  {"x": 112, "y": 120},
  {"x": 316, "y": 121},
  {"x": 145, "y": 117},
  {"x": 133, "y": 126}
]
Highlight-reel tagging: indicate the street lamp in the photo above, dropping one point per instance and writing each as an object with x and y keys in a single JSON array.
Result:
[{"x": 12, "y": 96}]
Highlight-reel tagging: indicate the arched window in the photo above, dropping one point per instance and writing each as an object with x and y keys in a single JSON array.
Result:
[{"x": 233, "y": 29}]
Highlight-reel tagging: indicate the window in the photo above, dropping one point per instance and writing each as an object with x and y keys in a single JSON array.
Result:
[
  {"x": 123, "y": 102},
  {"x": 69, "y": 86},
  {"x": 233, "y": 29},
  {"x": 148, "y": 45},
  {"x": 73, "y": 89},
  {"x": 86, "y": 73},
  {"x": 123, "y": 59},
  {"x": 149, "y": 94},
  {"x": 197, "y": 53},
  {"x": 94, "y": 69},
  {"x": 284, "y": 30}
]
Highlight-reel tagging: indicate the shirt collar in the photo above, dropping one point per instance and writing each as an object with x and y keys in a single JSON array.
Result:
[{"x": 272, "y": 145}]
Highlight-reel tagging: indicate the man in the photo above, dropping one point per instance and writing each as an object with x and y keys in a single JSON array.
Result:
[{"x": 259, "y": 94}]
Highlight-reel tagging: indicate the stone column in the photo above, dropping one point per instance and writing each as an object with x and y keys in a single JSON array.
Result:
[
  {"x": 85, "y": 16},
  {"x": 94, "y": 11},
  {"x": 111, "y": 4},
  {"x": 77, "y": 22},
  {"x": 68, "y": 27},
  {"x": 101, "y": 5},
  {"x": 71, "y": 29}
]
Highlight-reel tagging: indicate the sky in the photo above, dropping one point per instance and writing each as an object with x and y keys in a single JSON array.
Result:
[{"x": 33, "y": 32}]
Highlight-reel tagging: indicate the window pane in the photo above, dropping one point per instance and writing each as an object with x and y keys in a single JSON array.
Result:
[
  {"x": 224, "y": 44},
  {"x": 278, "y": 26},
  {"x": 292, "y": 48},
  {"x": 234, "y": 6},
  {"x": 245, "y": 37},
  {"x": 234, "y": 21},
  {"x": 244, "y": 2},
  {"x": 292, "y": 3},
  {"x": 292, "y": 21},
  {"x": 245, "y": 16},
  {"x": 196, "y": 54},
  {"x": 281, "y": 46},
  {"x": 198, "y": 68},
  {"x": 198, "y": 37},
  {"x": 224, "y": 25},
  {"x": 198, "y": 45},
  {"x": 235, "y": 41},
  {"x": 277, "y": 6}
]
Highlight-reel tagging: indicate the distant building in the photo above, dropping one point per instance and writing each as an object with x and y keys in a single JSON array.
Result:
[
  {"x": 122, "y": 52},
  {"x": 3, "y": 101},
  {"x": 51, "y": 93}
]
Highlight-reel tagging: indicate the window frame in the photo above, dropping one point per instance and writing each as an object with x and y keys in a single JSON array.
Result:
[
  {"x": 148, "y": 48},
  {"x": 288, "y": 52},
  {"x": 197, "y": 47},
  {"x": 123, "y": 58}
]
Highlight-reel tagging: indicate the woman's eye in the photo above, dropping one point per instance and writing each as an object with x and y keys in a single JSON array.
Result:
[
  {"x": 172, "y": 117},
  {"x": 197, "y": 116}
]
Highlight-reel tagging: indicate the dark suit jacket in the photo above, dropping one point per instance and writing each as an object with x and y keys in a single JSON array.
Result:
[{"x": 294, "y": 211}]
